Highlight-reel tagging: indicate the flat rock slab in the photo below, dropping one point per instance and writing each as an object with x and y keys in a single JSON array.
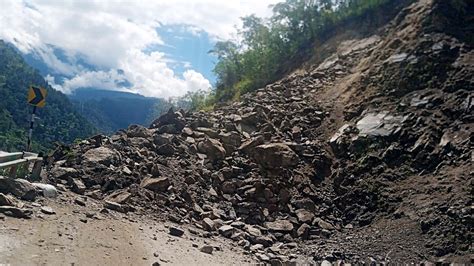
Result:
[{"x": 280, "y": 226}]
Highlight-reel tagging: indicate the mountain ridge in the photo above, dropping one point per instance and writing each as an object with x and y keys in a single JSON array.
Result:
[{"x": 57, "y": 121}]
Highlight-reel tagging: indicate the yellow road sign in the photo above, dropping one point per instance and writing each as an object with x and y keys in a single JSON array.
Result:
[{"x": 37, "y": 96}]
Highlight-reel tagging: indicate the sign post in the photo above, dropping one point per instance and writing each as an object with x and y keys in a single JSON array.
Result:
[{"x": 37, "y": 98}]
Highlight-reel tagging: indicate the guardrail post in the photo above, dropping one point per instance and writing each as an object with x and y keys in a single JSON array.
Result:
[
  {"x": 36, "y": 172},
  {"x": 12, "y": 173}
]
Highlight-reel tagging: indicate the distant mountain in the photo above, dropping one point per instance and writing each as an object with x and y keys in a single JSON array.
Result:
[
  {"x": 113, "y": 110},
  {"x": 57, "y": 121}
]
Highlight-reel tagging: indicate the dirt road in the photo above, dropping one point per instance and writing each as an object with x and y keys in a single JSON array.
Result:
[{"x": 70, "y": 238}]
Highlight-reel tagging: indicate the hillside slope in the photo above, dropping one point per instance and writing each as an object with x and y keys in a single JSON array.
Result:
[
  {"x": 58, "y": 121},
  {"x": 110, "y": 111},
  {"x": 364, "y": 157}
]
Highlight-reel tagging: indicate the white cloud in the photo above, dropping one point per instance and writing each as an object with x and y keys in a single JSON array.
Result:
[{"x": 112, "y": 35}]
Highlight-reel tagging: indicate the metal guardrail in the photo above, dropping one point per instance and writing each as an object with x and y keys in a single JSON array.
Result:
[{"x": 13, "y": 160}]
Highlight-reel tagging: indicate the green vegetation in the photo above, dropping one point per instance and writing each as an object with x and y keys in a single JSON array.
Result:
[
  {"x": 267, "y": 49},
  {"x": 110, "y": 111},
  {"x": 57, "y": 122}
]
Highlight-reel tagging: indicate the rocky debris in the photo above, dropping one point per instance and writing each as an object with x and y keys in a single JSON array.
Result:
[{"x": 289, "y": 163}]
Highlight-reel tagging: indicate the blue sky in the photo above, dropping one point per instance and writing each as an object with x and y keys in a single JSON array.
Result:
[
  {"x": 192, "y": 47},
  {"x": 153, "y": 47}
]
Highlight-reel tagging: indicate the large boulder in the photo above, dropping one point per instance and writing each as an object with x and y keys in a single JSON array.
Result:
[
  {"x": 169, "y": 120},
  {"x": 372, "y": 128},
  {"x": 275, "y": 155},
  {"x": 212, "y": 148},
  {"x": 231, "y": 140},
  {"x": 58, "y": 172},
  {"x": 20, "y": 188},
  {"x": 378, "y": 124},
  {"x": 250, "y": 144},
  {"x": 101, "y": 155},
  {"x": 137, "y": 131}
]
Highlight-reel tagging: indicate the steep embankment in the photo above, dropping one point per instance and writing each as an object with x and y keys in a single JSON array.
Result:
[{"x": 366, "y": 156}]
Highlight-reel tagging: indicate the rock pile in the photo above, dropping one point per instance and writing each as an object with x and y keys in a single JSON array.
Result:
[
  {"x": 269, "y": 173},
  {"x": 248, "y": 171}
]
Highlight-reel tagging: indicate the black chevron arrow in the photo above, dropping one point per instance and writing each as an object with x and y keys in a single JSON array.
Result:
[{"x": 38, "y": 96}]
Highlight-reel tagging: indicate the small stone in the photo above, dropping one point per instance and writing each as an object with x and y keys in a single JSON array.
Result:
[
  {"x": 262, "y": 257},
  {"x": 114, "y": 206},
  {"x": 280, "y": 226},
  {"x": 238, "y": 224},
  {"x": 303, "y": 231},
  {"x": 159, "y": 184},
  {"x": 16, "y": 212},
  {"x": 226, "y": 230},
  {"x": 256, "y": 247},
  {"x": 323, "y": 224},
  {"x": 175, "y": 231},
  {"x": 304, "y": 216},
  {"x": 77, "y": 186},
  {"x": 253, "y": 231},
  {"x": 208, "y": 224},
  {"x": 326, "y": 263},
  {"x": 80, "y": 201},
  {"x": 207, "y": 249},
  {"x": 47, "y": 210}
]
